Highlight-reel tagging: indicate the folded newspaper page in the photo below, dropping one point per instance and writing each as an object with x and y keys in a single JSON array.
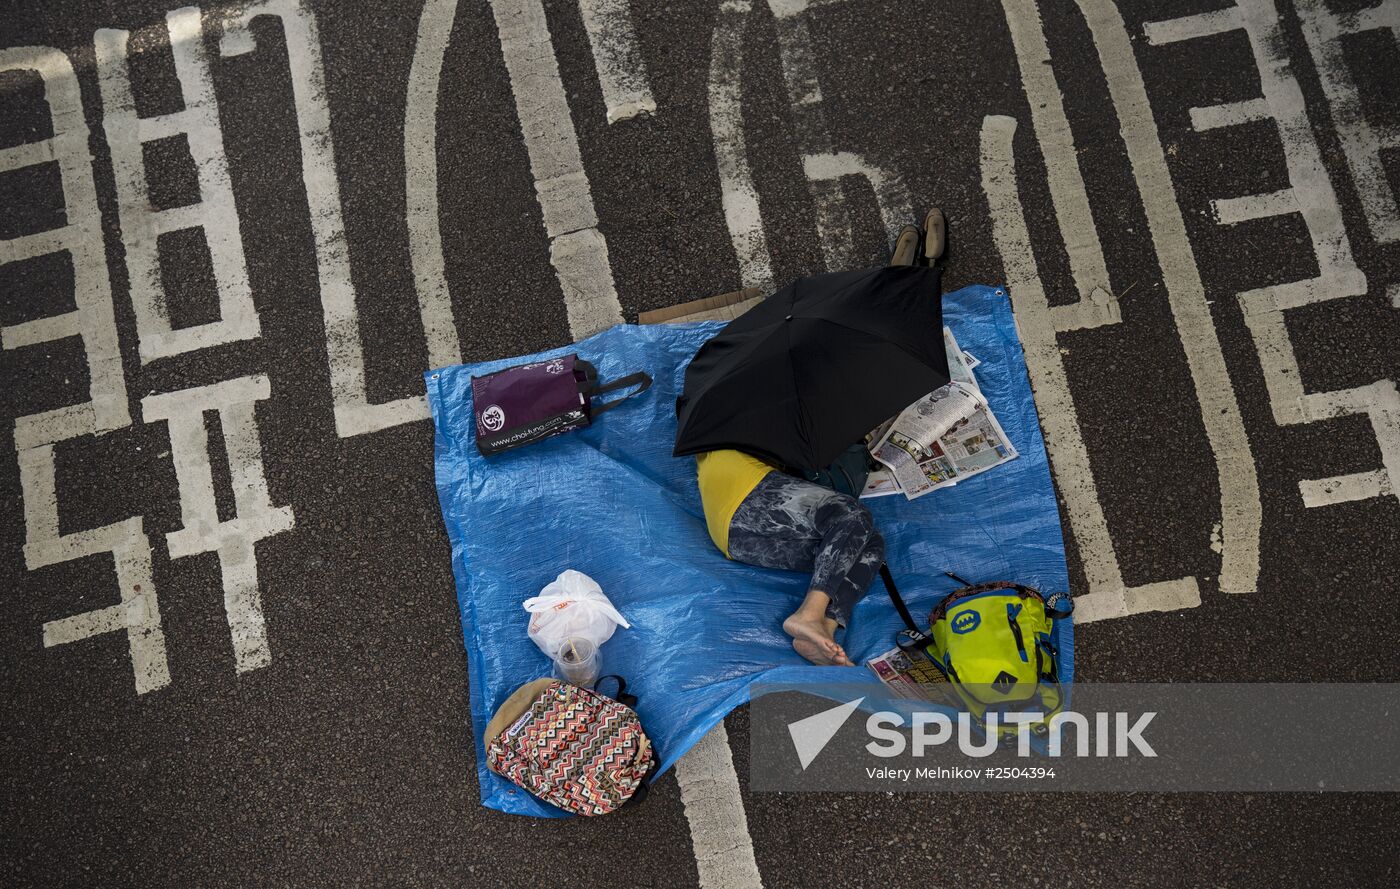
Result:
[
  {"x": 880, "y": 483},
  {"x": 909, "y": 676},
  {"x": 942, "y": 438},
  {"x": 948, "y": 435},
  {"x": 960, "y": 364}
]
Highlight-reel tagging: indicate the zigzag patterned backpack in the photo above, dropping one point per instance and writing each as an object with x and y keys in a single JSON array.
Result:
[{"x": 570, "y": 746}]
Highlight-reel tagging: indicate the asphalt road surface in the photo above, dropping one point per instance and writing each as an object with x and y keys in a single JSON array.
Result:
[{"x": 232, "y": 238}]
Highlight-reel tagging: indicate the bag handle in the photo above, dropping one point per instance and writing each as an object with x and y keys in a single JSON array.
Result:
[{"x": 641, "y": 379}]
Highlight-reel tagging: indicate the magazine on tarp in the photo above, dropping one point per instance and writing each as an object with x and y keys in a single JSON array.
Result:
[
  {"x": 909, "y": 676},
  {"x": 946, "y": 436}
]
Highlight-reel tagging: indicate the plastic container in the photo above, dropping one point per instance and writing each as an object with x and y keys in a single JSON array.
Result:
[{"x": 577, "y": 661}]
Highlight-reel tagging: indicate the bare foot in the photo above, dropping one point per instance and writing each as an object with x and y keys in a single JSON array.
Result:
[{"x": 814, "y": 639}]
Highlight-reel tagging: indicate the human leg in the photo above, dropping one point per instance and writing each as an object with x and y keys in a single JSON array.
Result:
[{"x": 793, "y": 524}]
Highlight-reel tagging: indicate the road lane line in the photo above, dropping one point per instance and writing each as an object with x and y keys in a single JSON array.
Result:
[
  {"x": 214, "y": 214},
  {"x": 255, "y": 518},
  {"x": 1241, "y": 511},
  {"x": 719, "y": 828},
  {"x": 621, "y": 74},
  {"x": 1052, "y": 131},
  {"x": 421, "y": 183},
  {"x": 578, "y": 252},
  {"x": 577, "y": 249},
  {"x": 737, "y": 193}
]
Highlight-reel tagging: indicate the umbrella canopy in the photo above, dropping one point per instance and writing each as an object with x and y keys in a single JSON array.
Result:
[{"x": 809, "y": 371}]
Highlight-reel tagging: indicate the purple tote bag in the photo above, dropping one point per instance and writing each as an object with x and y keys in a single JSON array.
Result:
[{"x": 530, "y": 402}]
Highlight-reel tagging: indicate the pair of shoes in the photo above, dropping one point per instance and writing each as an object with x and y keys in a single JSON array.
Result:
[{"x": 922, "y": 246}]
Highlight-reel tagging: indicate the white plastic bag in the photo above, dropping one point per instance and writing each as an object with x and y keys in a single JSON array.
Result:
[{"x": 573, "y": 605}]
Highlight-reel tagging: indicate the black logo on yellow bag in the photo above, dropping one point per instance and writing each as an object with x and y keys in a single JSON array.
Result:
[{"x": 1003, "y": 683}]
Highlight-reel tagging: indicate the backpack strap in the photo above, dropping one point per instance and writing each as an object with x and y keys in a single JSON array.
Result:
[
  {"x": 898, "y": 600},
  {"x": 913, "y": 639},
  {"x": 622, "y": 697}
]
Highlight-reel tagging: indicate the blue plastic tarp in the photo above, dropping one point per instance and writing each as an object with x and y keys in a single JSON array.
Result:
[{"x": 612, "y": 502}]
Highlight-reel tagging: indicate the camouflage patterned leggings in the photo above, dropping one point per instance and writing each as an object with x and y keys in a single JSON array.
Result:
[{"x": 791, "y": 523}]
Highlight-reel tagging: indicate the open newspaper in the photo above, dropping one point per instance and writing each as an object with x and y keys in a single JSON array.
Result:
[
  {"x": 910, "y": 676},
  {"x": 946, "y": 436}
]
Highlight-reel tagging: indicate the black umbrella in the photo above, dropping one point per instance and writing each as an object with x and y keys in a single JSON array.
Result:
[{"x": 806, "y": 373}]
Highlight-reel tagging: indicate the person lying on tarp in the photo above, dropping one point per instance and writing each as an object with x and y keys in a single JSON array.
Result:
[
  {"x": 800, "y": 378},
  {"x": 761, "y": 516}
]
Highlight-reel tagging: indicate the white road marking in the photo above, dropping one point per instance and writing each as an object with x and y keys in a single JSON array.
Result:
[
  {"x": 1310, "y": 191},
  {"x": 1067, "y": 193},
  {"x": 578, "y": 251},
  {"x": 891, "y": 196},
  {"x": 1228, "y": 114},
  {"x": 719, "y": 828},
  {"x": 621, "y": 74},
  {"x": 1241, "y": 511},
  {"x": 737, "y": 193},
  {"x": 822, "y": 163},
  {"x": 421, "y": 183},
  {"x": 1345, "y": 488},
  {"x": 1232, "y": 211},
  {"x": 137, "y": 613},
  {"x": 255, "y": 518},
  {"x": 708, "y": 783},
  {"x": 92, "y": 319},
  {"x": 1325, "y": 32},
  {"x": 1108, "y": 595},
  {"x": 1310, "y": 194},
  {"x": 354, "y": 415},
  {"x": 1192, "y": 27},
  {"x": 214, "y": 213}
]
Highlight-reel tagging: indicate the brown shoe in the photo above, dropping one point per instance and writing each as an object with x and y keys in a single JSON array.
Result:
[
  {"x": 906, "y": 246},
  {"x": 935, "y": 236}
]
